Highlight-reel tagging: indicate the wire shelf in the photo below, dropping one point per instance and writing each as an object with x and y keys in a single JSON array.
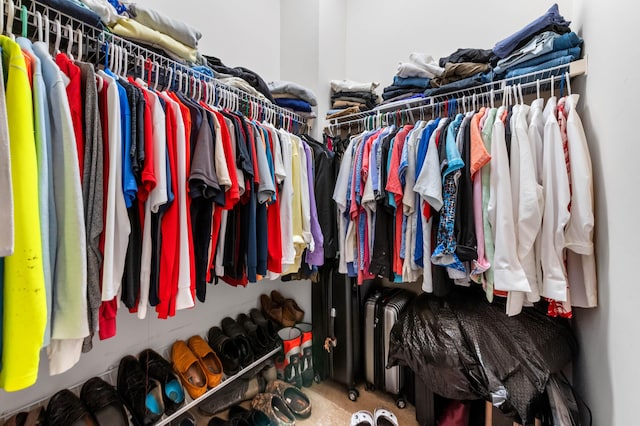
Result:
[
  {"x": 484, "y": 93},
  {"x": 98, "y": 42}
]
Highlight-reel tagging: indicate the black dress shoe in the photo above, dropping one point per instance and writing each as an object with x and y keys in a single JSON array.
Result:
[
  {"x": 236, "y": 392},
  {"x": 249, "y": 417},
  {"x": 226, "y": 349},
  {"x": 161, "y": 370},
  {"x": 269, "y": 327},
  {"x": 141, "y": 394},
  {"x": 66, "y": 409},
  {"x": 260, "y": 341},
  {"x": 232, "y": 329},
  {"x": 103, "y": 401}
]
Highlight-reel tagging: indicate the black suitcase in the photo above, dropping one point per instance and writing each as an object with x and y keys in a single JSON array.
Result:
[
  {"x": 337, "y": 303},
  {"x": 381, "y": 311}
]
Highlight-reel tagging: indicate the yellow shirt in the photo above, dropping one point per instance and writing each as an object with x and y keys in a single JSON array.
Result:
[
  {"x": 25, "y": 308},
  {"x": 296, "y": 203}
]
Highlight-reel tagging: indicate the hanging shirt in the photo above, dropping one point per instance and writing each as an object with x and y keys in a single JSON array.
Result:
[
  {"x": 581, "y": 264},
  {"x": 92, "y": 194},
  {"x": 46, "y": 201},
  {"x": 315, "y": 255},
  {"x": 286, "y": 203},
  {"x": 557, "y": 197},
  {"x": 69, "y": 317},
  {"x": 508, "y": 272},
  {"x": 489, "y": 246},
  {"x": 74, "y": 95},
  {"x": 24, "y": 298}
]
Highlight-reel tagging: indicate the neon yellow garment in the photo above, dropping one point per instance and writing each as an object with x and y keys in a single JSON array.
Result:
[{"x": 25, "y": 308}]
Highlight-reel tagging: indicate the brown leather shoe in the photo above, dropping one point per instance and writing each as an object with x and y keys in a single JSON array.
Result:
[
  {"x": 270, "y": 310},
  {"x": 189, "y": 369},
  {"x": 296, "y": 400},
  {"x": 275, "y": 408},
  {"x": 290, "y": 310},
  {"x": 208, "y": 359}
]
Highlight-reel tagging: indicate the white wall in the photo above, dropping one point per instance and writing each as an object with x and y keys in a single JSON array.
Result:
[
  {"x": 607, "y": 372},
  {"x": 240, "y": 32},
  {"x": 381, "y": 33}
]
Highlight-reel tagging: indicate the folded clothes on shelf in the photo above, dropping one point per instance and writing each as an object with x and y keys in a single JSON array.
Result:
[
  {"x": 174, "y": 28},
  {"x": 77, "y": 10},
  {"x": 282, "y": 89},
  {"x": 294, "y": 104},
  {"x": 135, "y": 31}
]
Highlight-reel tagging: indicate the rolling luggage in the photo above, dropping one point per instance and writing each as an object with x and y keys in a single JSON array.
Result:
[
  {"x": 382, "y": 309},
  {"x": 337, "y": 302}
]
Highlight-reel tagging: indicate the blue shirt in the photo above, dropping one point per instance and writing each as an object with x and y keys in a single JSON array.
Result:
[{"x": 421, "y": 156}]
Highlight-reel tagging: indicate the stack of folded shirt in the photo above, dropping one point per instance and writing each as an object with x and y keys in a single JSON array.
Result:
[
  {"x": 545, "y": 43},
  {"x": 294, "y": 97},
  {"x": 412, "y": 78},
  {"x": 348, "y": 97},
  {"x": 146, "y": 26},
  {"x": 251, "y": 77}
]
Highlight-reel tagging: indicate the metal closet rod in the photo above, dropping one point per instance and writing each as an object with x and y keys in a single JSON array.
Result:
[
  {"x": 96, "y": 41},
  {"x": 483, "y": 92}
]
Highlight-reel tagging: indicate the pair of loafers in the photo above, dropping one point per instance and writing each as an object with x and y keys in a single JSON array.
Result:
[
  {"x": 197, "y": 365},
  {"x": 282, "y": 403},
  {"x": 148, "y": 387},
  {"x": 281, "y": 310},
  {"x": 99, "y": 404},
  {"x": 239, "y": 342}
]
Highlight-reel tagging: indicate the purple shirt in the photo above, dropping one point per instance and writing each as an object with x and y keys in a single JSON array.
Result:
[{"x": 315, "y": 257}]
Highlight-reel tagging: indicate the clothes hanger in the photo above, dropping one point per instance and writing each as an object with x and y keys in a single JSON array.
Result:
[
  {"x": 80, "y": 44},
  {"x": 70, "y": 41},
  {"x": 24, "y": 19},
  {"x": 125, "y": 62},
  {"x": 169, "y": 79},
  {"x": 157, "y": 75},
  {"x": 38, "y": 25},
  {"x": 538, "y": 89},
  {"x": 492, "y": 98},
  {"x": 56, "y": 46},
  {"x": 567, "y": 78},
  {"x": 521, "y": 93},
  {"x": 11, "y": 13}
]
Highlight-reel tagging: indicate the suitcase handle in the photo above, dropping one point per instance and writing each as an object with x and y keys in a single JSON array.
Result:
[{"x": 331, "y": 341}]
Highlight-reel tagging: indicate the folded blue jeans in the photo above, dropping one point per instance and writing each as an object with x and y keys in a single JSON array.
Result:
[
  {"x": 574, "y": 52},
  {"x": 503, "y": 48},
  {"x": 563, "y": 60},
  {"x": 411, "y": 82}
]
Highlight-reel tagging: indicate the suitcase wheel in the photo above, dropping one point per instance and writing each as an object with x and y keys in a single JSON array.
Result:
[
  {"x": 317, "y": 379},
  {"x": 353, "y": 394},
  {"x": 369, "y": 387},
  {"x": 401, "y": 403}
]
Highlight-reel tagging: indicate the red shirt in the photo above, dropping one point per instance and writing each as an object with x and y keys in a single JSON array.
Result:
[
  {"x": 74, "y": 94},
  {"x": 170, "y": 246}
]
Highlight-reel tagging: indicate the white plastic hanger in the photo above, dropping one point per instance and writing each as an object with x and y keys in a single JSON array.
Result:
[
  {"x": 46, "y": 32},
  {"x": 80, "y": 44},
  {"x": 538, "y": 89},
  {"x": 38, "y": 25},
  {"x": 170, "y": 78},
  {"x": 70, "y": 41},
  {"x": 492, "y": 98},
  {"x": 568, "y": 81},
  {"x": 155, "y": 80},
  {"x": 552, "y": 85},
  {"x": 56, "y": 47},
  {"x": 125, "y": 62},
  {"x": 11, "y": 13},
  {"x": 1, "y": 16}
]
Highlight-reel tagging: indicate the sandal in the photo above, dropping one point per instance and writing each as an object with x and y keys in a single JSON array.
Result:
[
  {"x": 384, "y": 417},
  {"x": 361, "y": 418}
]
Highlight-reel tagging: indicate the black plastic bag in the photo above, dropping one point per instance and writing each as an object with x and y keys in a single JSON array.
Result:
[{"x": 466, "y": 348}]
